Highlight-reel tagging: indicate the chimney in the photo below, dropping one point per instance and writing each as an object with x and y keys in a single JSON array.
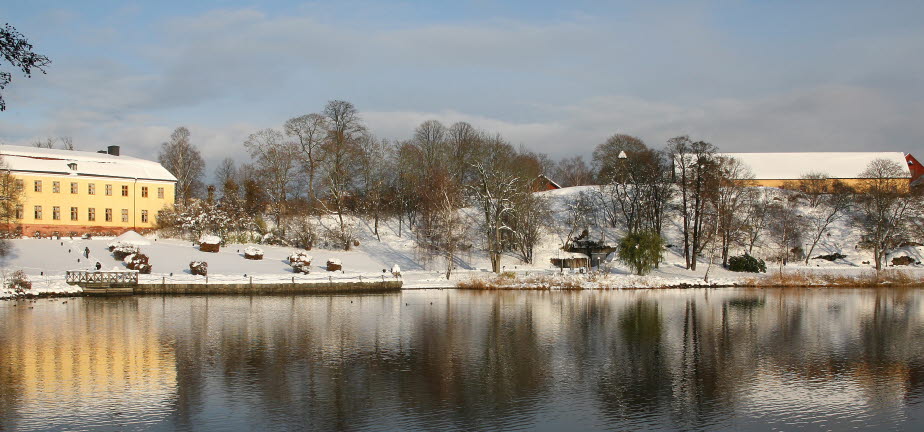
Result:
[{"x": 113, "y": 150}]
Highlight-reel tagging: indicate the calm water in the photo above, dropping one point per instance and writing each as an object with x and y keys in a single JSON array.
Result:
[{"x": 447, "y": 360}]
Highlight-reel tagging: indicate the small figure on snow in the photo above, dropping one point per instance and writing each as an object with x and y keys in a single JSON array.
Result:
[
  {"x": 98, "y": 265},
  {"x": 86, "y": 252}
]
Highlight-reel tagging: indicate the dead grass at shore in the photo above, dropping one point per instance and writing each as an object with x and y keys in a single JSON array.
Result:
[
  {"x": 871, "y": 279},
  {"x": 506, "y": 281}
]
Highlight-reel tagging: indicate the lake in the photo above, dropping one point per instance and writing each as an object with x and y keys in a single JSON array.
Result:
[{"x": 695, "y": 359}]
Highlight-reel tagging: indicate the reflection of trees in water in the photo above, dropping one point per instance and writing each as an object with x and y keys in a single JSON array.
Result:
[
  {"x": 323, "y": 374},
  {"x": 634, "y": 380}
]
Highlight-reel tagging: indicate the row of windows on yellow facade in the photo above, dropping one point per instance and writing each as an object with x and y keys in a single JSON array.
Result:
[
  {"x": 91, "y": 214},
  {"x": 91, "y": 188}
]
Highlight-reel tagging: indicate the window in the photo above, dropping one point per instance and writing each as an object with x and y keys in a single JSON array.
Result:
[
  {"x": 91, "y": 214},
  {"x": 108, "y": 215},
  {"x": 73, "y": 187},
  {"x": 124, "y": 190},
  {"x": 160, "y": 215},
  {"x": 73, "y": 213},
  {"x": 108, "y": 190},
  {"x": 124, "y": 215},
  {"x": 38, "y": 185},
  {"x": 91, "y": 188},
  {"x": 56, "y": 213},
  {"x": 56, "y": 187},
  {"x": 160, "y": 193},
  {"x": 144, "y": 191},
  {"x": 19, "y": 185},
  {"x": 144, "y": 216},
  {"x": 38, "y": 212},
  {"x": 19, "y": 211}
]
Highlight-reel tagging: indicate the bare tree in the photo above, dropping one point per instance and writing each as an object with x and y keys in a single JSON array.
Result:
[
  {"x": 311, "y": 131},
  {"x": 498, "y": 188},
  {"x": 377, "y": 170},
  {"x": 445, "y": 228},
  {"x": 430, "y": 137},
  {"x": 531, "y": 216},
  {"x": 785, "y": 227},
  {"x": 695, "y": 173},
  {"x": 10, "y": 200},
  {"x": 825, "y": 207},
  {"x": 885, "y": 204},
  {"x": 755, "y": 217},
  {"x": 47, "y": 143},
  {"x": 341, "y": 148},
  {"x": 274, "y": 159},
  {"x": 183, "y": 160},
  {"x": 735, "y": 181},
  {"x": 464, "y": 143},
  {"x": 67, "y": 143},
  {"x": 226, "y": 172},
  {"x": 573, "y": 171}
]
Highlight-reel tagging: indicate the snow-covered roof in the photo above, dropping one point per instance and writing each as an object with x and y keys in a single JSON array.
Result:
[
  {"x": 51, "y": 161},
  {"x": 792, "y": 166}
]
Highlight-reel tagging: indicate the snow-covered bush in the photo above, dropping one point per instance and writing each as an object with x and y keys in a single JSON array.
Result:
[
  {"x": 202, "y": 216},
  {"x": 253, "y": 253},
  {"x": 18, "y": 282},
  {"x": 300, "y": 262},
  {"x": 200, "y": 268},
  {"x": 140, "y": 262},
  {"x": 124, "y": 250},
  {"x": 746, "y": 263}
]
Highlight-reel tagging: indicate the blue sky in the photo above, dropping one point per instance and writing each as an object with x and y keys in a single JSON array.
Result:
[{"x": 556, "y": 77}]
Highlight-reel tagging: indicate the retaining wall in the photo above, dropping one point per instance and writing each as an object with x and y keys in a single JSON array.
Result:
[{"x": 270, "y": 288}]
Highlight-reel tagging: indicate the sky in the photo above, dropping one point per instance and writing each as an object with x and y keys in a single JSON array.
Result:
[{"x": 554, "y": 77}]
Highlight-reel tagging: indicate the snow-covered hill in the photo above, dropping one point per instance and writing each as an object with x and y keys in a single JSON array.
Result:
[{"x": 45, "y": 260}]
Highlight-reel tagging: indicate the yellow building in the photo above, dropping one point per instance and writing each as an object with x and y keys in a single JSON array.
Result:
[{"x": 74, "y": 192}]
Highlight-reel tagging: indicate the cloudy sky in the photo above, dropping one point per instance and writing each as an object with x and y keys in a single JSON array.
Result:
[{"x": 556, "y": 77}]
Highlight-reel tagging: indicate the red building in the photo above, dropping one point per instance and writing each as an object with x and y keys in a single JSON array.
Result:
[{"x": 917, "y": 170}]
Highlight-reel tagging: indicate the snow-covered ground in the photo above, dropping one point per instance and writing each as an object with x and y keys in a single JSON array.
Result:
[{"x": 46, "y": 260}]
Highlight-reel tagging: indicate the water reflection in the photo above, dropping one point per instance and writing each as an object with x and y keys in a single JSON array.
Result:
[{"x": 687, "y": 359}]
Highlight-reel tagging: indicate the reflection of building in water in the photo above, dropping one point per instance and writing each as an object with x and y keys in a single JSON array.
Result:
[{"x": 86, "y": 358}]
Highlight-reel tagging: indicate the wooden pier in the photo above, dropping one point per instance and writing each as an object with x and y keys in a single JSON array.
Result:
[{"x": 103, "y": 282}]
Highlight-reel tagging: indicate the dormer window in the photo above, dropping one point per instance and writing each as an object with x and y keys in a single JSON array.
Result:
[{"x": 72, "y": 166}]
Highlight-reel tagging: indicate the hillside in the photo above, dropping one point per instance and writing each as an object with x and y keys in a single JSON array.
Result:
[{"x": 46, "y": 260}]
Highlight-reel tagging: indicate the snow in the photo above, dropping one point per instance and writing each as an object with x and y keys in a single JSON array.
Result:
[
  {"x": 130, "y": 238},
  {"x": 209, "y": 239},
  {"x": 792, "y": 166},
  {"x": 335, "y": 261},
  {"x": 170, "y": 259},
  {"x": 251, "y": 250},
  {"x": 51, "y": 161}
]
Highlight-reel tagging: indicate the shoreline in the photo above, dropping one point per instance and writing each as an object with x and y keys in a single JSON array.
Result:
[{"x": 75, "y": 294}]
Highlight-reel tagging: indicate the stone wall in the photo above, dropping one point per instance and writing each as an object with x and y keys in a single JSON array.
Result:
[{"x": 263, "y": 288}]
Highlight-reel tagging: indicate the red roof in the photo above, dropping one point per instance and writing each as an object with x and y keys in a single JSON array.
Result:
[{"x": 917, "y": 170}]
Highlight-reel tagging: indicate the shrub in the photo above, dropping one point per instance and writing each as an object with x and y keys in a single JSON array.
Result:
[
  {"x": 300, "y": 262},
  {"x": 18, "y": 282},
  {"x": 121, "y": 251},
  {"x": 641, "y": 251},
  {"x": 200, "y": 268},
  {"x": 138, "y": 261},
  {"x": 746, "y": 263}
]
